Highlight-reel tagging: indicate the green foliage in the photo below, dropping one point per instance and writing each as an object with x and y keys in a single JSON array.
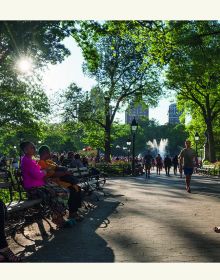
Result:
[
  {"x": 147, "y": 131},
  {"x": 123, "y": 75},
  {"x": 24, "y": 104},
  {"x": 59, "y": 138},
  {"x": 115, "y": 169},
  {"x": 193, "y": 72},
  {"x": 38, "y": 39},
  {"x": 5, "y": 196},
  {"x": 217, "y": 164}
]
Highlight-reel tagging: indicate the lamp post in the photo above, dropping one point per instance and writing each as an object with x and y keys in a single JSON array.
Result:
[
  {"x": 134, "y": 126},
  {"x": 196, "y": 140},
  {"x": 129, "y": 144}
]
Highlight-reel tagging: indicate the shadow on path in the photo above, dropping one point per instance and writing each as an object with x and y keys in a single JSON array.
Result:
[
  {"x": 199, "y": 185},
  {"x": 80, "y": 243}
]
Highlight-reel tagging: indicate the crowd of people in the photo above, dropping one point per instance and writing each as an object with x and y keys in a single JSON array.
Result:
[
  {"x": 37, "y": 176},
  {"x": 186, "y": 162}
]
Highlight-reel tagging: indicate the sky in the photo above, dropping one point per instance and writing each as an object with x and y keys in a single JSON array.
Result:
[{"x": 58, "y": 77}]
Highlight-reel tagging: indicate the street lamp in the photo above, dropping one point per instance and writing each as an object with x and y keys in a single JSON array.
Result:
[
  {"x": 129, "y": 144},
  {"x": 134, "y": 126},
  {"x": 196, "y": 140}
]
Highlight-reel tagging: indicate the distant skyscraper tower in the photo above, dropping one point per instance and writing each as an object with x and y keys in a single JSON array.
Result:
[
  {"x": 135, "y": 111},
  {"x": 173, "y": 114}
]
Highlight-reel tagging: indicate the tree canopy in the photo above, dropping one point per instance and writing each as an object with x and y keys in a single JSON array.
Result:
[
  {"x": 23, "y": 100},
  {"x": 193, "y": 72}
]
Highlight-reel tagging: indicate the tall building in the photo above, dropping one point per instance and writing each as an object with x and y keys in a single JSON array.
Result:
[
  {"x": 173, "y": 114},
  {"x": 135, "y": 111}
]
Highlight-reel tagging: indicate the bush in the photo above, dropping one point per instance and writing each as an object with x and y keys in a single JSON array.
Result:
[
  {"x": 206, "y": 162},
  {"x": 5, "y": 196},
  {"x": 115, "y": 168},
  {"x": 217, "y": 164}
]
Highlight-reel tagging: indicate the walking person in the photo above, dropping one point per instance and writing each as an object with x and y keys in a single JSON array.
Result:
[
  {"x": 167, "y": 164},
  {"x": 153, "y": 163},
  {"x": 159, "y": 164},
  {"x": 180, "y": 168},
  {"x": 147, "y": 164},
  {"x": 175, "y": 164},
  {"x": 187, "y": 156}
]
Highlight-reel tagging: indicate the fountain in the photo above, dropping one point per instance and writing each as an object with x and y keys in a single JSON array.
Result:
[{"x": 158, "y": 149}]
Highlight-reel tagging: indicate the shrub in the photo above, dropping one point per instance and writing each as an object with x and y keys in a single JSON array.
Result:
[{"x": 116, "y": 168}]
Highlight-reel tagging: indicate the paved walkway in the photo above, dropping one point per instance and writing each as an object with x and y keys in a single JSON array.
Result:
[{"x": 143, "y": 220}]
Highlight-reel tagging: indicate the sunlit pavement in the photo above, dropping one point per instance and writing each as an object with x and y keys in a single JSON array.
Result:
[{"x": 141, "y": 220}]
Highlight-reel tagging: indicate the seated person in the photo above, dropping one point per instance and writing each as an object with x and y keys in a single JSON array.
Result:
[
  {"x": 62, "y": 177},
  {"x": 34, "y": 180},
  {"x": 5, "y": 253},
  {"x": 67, "y": 161},
  {"x": 76, "y": 162},
  {"x": 85, "y": 162},
  {"x": 55, "y": 158}
]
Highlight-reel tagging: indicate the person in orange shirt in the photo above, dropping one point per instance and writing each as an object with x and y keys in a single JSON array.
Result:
[{"x": 61, "y": 176}]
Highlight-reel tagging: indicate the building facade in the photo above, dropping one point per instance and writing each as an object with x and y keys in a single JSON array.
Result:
[
  {"x": 135, "y": 111},
  {"x": 173, "y": 114}
]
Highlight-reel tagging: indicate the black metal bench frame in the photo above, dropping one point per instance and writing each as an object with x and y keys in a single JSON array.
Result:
[
  {"x": 89, "y": 182},
  {"x": 22, "y": 212}
]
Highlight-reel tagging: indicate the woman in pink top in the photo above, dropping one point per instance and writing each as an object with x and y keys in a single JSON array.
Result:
[
  {"x": 34, "y": 183},
  {"x": 32, "y": 175}
]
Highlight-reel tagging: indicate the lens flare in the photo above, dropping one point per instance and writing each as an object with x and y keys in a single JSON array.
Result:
[{"x": 25, "y": 65}]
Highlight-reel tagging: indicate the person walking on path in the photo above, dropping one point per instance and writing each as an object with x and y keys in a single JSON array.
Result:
[
  {"x": 175, "y": 164},
  {"x": 159, "y": 163},
  {"x": 147, "y": 164},
  {"x": 167, "y": 165},
  {"x": 187, "y": 156}
]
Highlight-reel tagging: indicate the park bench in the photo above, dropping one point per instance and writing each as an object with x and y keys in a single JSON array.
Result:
[
  {"x": 89, "y": 182},
  {"x": 21, "y": 212},
  {"x": 209, "y": 170}
]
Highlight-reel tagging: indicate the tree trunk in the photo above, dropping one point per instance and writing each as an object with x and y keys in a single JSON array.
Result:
[
  {"x": 108, "y": 143},
  {"x": 211, "y": 141},
  {"x": 107, "y": 130}
]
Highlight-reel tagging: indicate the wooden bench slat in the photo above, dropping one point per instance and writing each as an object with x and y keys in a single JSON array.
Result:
[{"x": 21, "y": 205}]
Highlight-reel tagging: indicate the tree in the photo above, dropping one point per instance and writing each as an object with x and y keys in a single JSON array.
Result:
[
  {"x": 23, "y": 101},
  {"x": 193, "y": 72},
  {"x": 123, "y": 75}
]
